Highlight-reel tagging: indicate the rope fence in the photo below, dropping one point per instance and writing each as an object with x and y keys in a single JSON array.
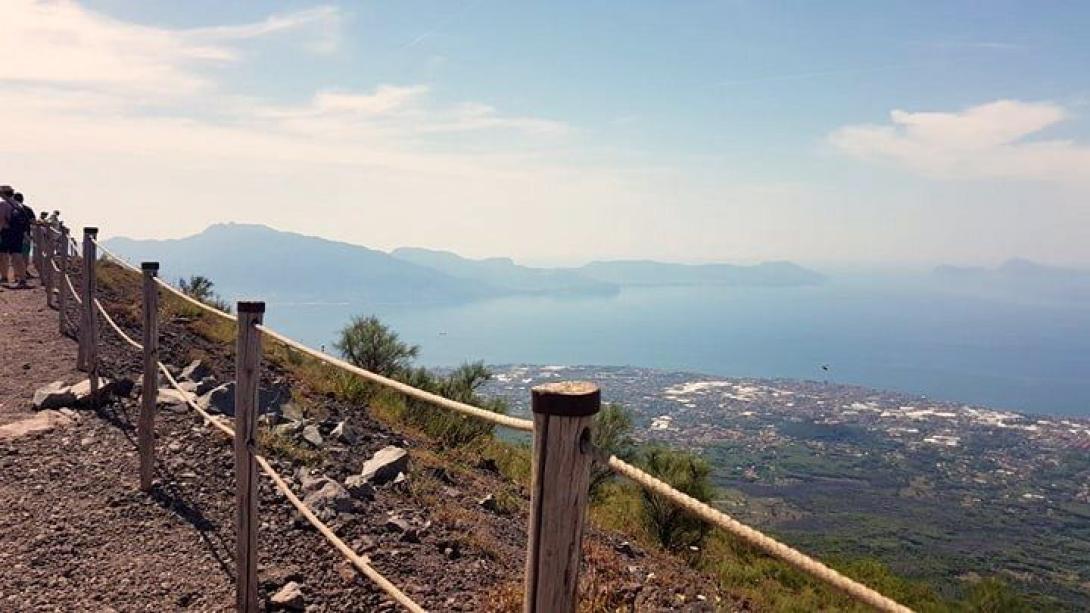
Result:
[{"x": 562, "y": 414}]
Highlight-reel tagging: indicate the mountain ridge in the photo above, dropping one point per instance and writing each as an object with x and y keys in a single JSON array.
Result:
[{"x": 254, "y": 259}]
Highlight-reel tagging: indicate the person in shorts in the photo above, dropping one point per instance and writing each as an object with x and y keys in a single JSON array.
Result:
[{"x": 15, "y": 221}]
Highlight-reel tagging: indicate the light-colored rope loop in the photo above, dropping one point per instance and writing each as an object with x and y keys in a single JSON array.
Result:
[{"x": 113, "y": 324}]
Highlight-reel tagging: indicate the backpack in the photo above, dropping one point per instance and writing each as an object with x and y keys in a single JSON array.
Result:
[{"x": 21, "y": 218}]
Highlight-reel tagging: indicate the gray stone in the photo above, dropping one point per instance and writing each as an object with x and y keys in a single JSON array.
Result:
[
  {"x": 359, "y": 488},
  {"x": 344, "y": 433},
  {"x": 53, "y": 396},
  {"x": 329, "y": 500},
  {"x": 195, "y": 372},
  {"x": 385, "y": 465},
  {"x": 221, "y": 399},
  {"x": 288, "y": 428},
  {"x": 408, "y": 533},
  {"x": 82, "y": 390},
  {"x": 290, "y": 598},
  {"x": 312, "y": 436}
]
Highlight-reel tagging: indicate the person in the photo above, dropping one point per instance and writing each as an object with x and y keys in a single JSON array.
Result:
[
  {"x": 15, "y": 222},
  {"x": 27, "y": 239},
  {"x": 6, "y": 210},
  {"x": 54, "y": 220}
]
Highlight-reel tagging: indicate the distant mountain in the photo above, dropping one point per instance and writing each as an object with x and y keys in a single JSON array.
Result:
[
  {"x": 645, "y": 272},
  {"x": 503, "y": 272},
  {"x": 1020, "y": 277},
  {"x": 247, "y": 260},
  {"x": 258, "y": 261}
]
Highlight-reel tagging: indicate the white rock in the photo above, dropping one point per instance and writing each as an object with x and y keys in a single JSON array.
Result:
[
  {"x": 53, "y": 396},
  {"x": 289, "y": 597},
  {"x": 385, "y": 465}
]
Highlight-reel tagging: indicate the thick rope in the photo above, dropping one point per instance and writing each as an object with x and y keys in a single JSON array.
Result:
[
  {"x": 113, "y": 324},
  {"x": 116, "y": 258},
  {"x": 360, "y": 562},
  {"x": 502, "y": 420},
  {"x": 754, "y": 537},
  {"x": 72, "y": 289},
  {"x": 191, "y": 300}
]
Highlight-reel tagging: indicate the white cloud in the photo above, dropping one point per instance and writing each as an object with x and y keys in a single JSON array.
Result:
[
  {"x": 60, "y": 42},
  {"x": 994, "y": 140}
]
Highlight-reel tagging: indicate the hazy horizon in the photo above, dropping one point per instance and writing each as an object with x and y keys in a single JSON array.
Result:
[
  {"x": 905, "y": 133},
  {"x": 827, "y": 266}
]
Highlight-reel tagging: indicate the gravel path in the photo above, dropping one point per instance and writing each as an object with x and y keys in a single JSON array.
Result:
[{"x": 32, "y": 353}]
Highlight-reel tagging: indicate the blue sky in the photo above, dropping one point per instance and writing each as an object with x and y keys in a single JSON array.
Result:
[{"x": 886, "y": 133}]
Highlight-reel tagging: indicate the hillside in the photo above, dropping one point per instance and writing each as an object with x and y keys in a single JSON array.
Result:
[
  {"x": 451, "y": 531},
  {"x": 249, "y": 260},
  {"x": 503, "y": 272},
  {"x": 1019, "y": 278}
]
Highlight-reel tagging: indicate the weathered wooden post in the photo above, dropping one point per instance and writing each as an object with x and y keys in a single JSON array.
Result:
[
  {"x": 62, "y": 292},
  {"x": 36, "y": 244},
  {"x": 247, "y": 375},
  {"x": 89, "y": 320},
  {"x": 145, "y": 426},
  {"x": 558, "y": 493},
  {"x": 46, "y": 274}
]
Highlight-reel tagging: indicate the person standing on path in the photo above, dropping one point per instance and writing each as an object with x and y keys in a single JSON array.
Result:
[
  {"x": 15, "y": 221},
  {"x": 27, "y": 238}
]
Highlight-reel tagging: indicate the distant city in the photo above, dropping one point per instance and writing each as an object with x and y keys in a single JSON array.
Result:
[{"x": 919, "y": 483}]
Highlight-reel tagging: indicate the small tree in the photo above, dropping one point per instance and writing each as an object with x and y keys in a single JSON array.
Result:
[
  {"x": 669, "y": 524},
  {"x": 369, "y": 344},
  {"x": 612, "y": 434},
  {"x": 201, "y": 288}
]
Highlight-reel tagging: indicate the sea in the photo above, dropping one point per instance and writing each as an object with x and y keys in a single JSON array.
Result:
[{"x": 889, "y": 333}]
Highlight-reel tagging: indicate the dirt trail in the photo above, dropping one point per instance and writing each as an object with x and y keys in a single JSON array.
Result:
[
  {"x": 79, "y": 536},
  {"x": 32, "y": 352}
]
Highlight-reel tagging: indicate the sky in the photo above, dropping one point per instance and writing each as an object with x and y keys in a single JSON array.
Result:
[{"x": 891, "y": 133}]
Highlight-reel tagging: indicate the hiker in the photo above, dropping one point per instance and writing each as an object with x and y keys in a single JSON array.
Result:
[
  {"x": 15, "y": 221},
  {"x": 27, "y": 238}
]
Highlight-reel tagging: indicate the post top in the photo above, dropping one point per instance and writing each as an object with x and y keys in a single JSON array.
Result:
[
  {"x": 149, "y": 265},
  {"x": 250, "y": 306},
  {"x": 90, "y": 230},
  {"x": 566, "y": 398}
]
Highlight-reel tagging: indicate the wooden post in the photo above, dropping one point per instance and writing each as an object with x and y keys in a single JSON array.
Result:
[
  {"x": 559, "y": 490},
  {"x": 62, "y": 290},
  {"x": 36, "y": 244},
  {"x": 145, "y": 425},
  {"x": 89, "y": 321},
  {"x": 46, "y": 274},
  {"x": 247, "y": 373}
]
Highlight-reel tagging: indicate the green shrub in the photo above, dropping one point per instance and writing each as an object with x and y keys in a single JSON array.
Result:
[
  {"x": 371, "y": 345},
  {"x": 201, "y": 288},
  {"x": 672, "y": 526},
  {"x": 612, "y": 434}
]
